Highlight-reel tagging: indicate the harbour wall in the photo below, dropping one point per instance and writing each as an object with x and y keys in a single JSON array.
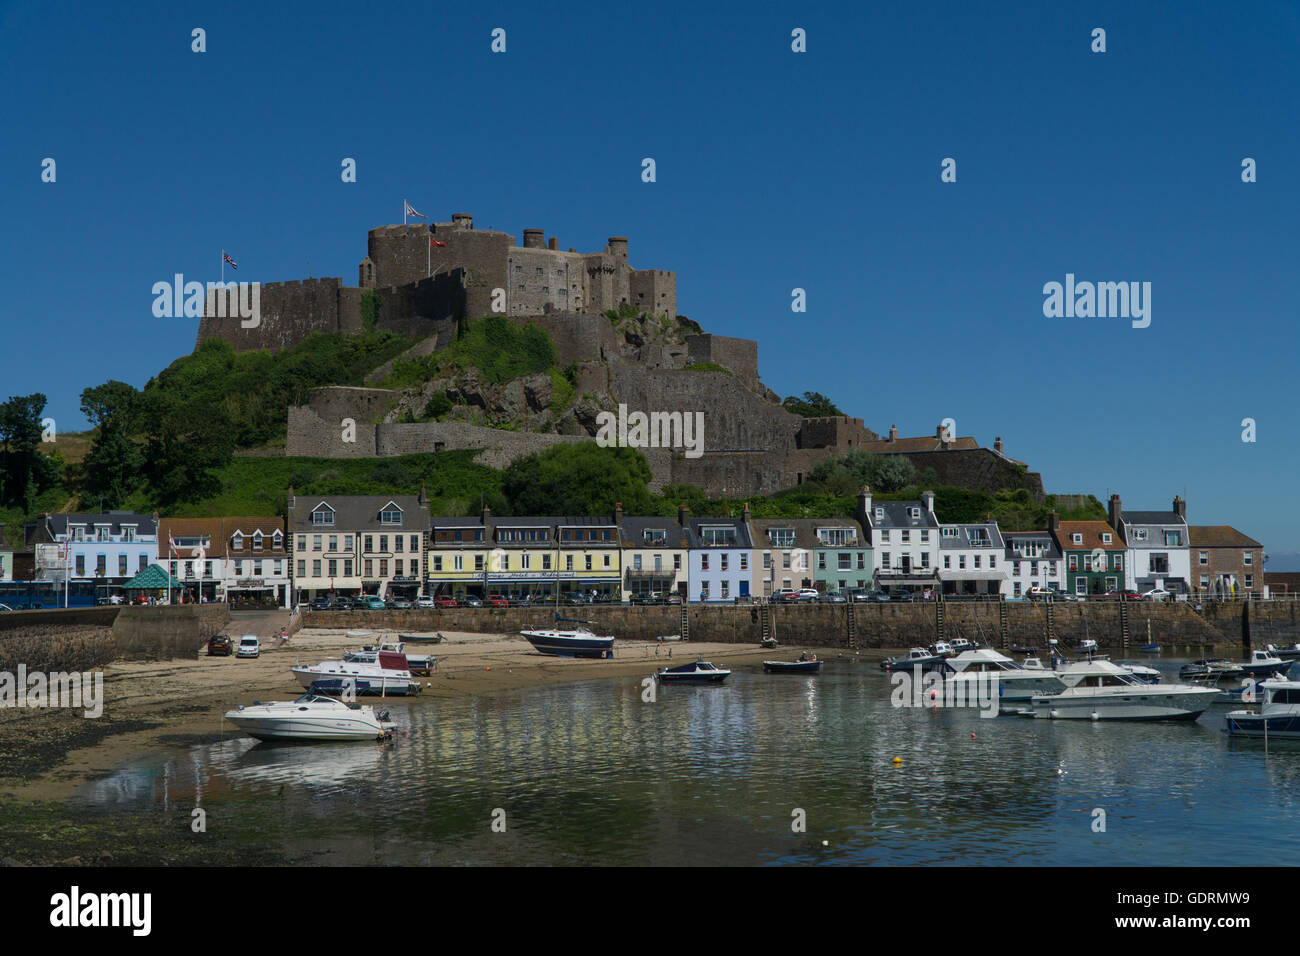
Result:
[
  {"x": 82, "y": 638},
  {"x": 1178, "y": 627}
]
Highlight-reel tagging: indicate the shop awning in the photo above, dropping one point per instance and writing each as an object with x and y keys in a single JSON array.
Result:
[
  {"x": 947, "y": 574},
  {"x": 152, "y": 578}
]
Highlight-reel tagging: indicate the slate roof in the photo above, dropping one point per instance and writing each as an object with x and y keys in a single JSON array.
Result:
[
  {"x": 634, "y": 527},
  {"x": 358, "y": 512},
  {"x": 897, "y": 515},
  {"x": 145, "y": 525},
  {"x": 1219, "y": 536},
  {"x": 1152, "y": 517},
  {"x": 993, "y": 537},
  {"x": 1051, "y": 550},
  {"x": 740, "y": 524}
]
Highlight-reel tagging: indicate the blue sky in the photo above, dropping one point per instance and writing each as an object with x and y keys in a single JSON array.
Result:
[{"x": 775, "y": 170}]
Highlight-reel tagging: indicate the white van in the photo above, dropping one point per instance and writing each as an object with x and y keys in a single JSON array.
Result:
[{"x": 249, "y": 646}]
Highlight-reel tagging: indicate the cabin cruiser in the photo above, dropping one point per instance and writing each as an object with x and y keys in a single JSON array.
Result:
[
  {"x": 916, "y": 657},
  {"x": 579, "y": 642},
  {"x": 420, "y": 664},
  {"x": 388, "y": 673},
  {"x": 961, "y": 645},
  {"x": 698, "y": 671},
  {"x": 311, "y": 717},
  {"x": 941, "y": 649},
  {"x": 1262, "y": 664},
  {"x": 1014, "y": 681},
  {"x": 1102, "y": 690},
  {"x": 1089, "y": 650},
  {"x": 1286, "y": 653},
  {"x": 1278, "y": 715}
]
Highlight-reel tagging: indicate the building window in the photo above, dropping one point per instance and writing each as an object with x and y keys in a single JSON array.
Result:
[
  {"x": 744, "y": 562},
  {"x": 347, "y": 567},
  {"x": 1205, "y": 557},
  {"x": 1246, "y": 558},
  {"x": 121, "y": 565},
  {"x": 302, "y": 567},
  {"x": 1074, "y": 562},
  {"x": 333, "y": 566},
  {"x": 322, "y": 516},
  {"x": 315, "y": 567},
  {"x": 391, "y": 515}
]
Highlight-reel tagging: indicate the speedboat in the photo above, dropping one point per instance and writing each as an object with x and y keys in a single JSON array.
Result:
[
  {"x": 1262, "y": 663},
  {"x": 1102, "y": 690},
  {"x": 579, "y": 642},
  {"x": 804, "y": 665},
  {"x": 1279, "y": 713},
  {"x": 941, "y": 649},
  {"x": 387, "y": 672},
  {"x": 696, "y": 672},
  {"x": 961, "y": 645},
  {"x": 311, "y": 717},
  {"x": 1286, "y": 653},
  {"x": 916, "y": 657},
  {"x": 1014, "y": 681},
  {"x": 1148, "y": 675}
]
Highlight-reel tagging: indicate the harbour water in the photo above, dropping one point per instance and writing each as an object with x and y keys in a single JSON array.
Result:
[{"x": 590, "y": 773}]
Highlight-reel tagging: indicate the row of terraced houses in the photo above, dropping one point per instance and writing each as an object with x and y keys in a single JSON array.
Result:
[{"x": 391, "y": 547}]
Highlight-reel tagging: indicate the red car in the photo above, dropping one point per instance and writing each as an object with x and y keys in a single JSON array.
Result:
[
  {"x": 497, "y": 600},
  {"x": 445, "y": 601}
]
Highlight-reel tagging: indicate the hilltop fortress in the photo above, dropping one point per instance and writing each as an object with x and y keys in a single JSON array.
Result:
[{"x": 616, "y": 327}]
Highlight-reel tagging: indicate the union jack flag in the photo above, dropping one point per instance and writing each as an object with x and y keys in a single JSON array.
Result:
[{"x": 232, "y": 262}]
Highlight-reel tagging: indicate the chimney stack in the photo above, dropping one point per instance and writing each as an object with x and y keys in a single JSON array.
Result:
[
  {"x": 928, "y": 498},
  {"x": 534, "y": 239},
  {"x": 1180, "y": 507},
  {"x": 997, "y": 444},
  {"x": 487, "y": 514},
  {"x": 893, "y": 433},
  {"x": 683, "y": 515},
  {"x": 864, "y": 505},
  {"x": 1114, "y": 511},
  {"x": 618, "y": 514},
  {"x": 1053, "y": 522},
  {"x": 553, "y": 244}
]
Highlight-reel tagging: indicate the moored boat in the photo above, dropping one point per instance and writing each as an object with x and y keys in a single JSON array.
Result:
[
  {"x": 1263, "y": 664},
  {"x": 698, "y": 671},
  {"x": 1102, "y": 690},
  {"x": 806, "y": 664},
  {"x": 422, "y": 638},
  {"x": 386, "y": 673},
  {"x": 1278, "y": 714},
  {"x": 579, "y": 642},
  {"x": 916, "y": 657},
  {"x": 311, "y": 717}
]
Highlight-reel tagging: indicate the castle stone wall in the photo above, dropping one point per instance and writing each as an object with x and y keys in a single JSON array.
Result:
[
  {"x": 738, "y": 355},
  {"x": 499, "y": 448},
  {"x": 290, "y": 311}
]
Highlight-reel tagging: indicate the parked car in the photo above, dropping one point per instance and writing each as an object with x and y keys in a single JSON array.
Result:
[
  {"x": 807, "y": 595},
  {"x": 399, "y": 604},
  {"x": 859, "y": 594},
  {"x": 320, "y": 604},
  {"x": 1157, "y": 594},
  {"x": 834, "y": 596},
  {"x": 575, "y": 598},
  {"x": 781, "y": 595},
  {"x": 371, "y": 603},
  {"x": 445, "y": 601},
  {"x": 470, "y": 600},
  {"x": 497, "y": 600},
  {"x": 879, "y": 597},
  {"x": 424, "y": 600},
  {"x": 1040, "y": 593},
  {"x": 220, "y": 645},
  {"x": 249, "y": 646}
]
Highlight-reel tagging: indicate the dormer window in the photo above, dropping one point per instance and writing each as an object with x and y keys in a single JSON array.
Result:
[
  {"x": 257, "y": 541},
  {"x": 880, "y": 514},
  {"x": 1105, "y": 537},
  {"x": 915, "y": 512},
  {"x": 277, "y": 539},
  {"x": 1076, "y": 538},
  {"x": 391, "y": 514},
  {"x": 237, "y": 542},
  {"x": 323, "y": 515}
]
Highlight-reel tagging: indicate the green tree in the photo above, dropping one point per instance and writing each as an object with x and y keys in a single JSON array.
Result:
[
  {"x": 24, "y": 471},
  {"x": 187, "y": 442},
  {"x": 579, "y": 479},
  {"x": 812, "y": 405},
  {"x": 112, "y": 467}
]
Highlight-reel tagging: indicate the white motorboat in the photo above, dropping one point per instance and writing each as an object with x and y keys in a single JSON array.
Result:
[
  {"x": 1102, "y": 690},
  {"x": 1286, "y": 653},
  {"x": 698, "y": 671},
  {"x": 1148, "y": 675},
  {"x": 1278, "y": 715},
  {"x": 311, "y": 717},
  {"x": 1264, "y": 663},
  {"x": 387, "y": 673},
  {"x": 1014, "y": 681},
  {"x": 916, "y": 657}
]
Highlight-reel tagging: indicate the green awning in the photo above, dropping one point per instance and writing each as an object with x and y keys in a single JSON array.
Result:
[{"x": 152, "y": 578}]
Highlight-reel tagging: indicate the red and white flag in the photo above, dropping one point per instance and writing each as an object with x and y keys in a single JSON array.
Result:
[
  {"x": 226, "y": 257},
  {"x": 409, "y": 210},
  {"x": 435, "y": 242}
]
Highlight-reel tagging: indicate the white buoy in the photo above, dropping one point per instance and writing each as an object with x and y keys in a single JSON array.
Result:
[{"x": 1094, "y": 715}]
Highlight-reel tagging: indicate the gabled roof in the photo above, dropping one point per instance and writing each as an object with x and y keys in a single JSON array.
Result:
[
  {"x": 897, "y": 514},
  {"x": 145, "y": 525},
  {"x": 1219, "y": 536},
  {"x": 1092, "y": 532},
  {"x": 992, "y": 536},
  {"x": 358, "y": 513},
  {"x": 1152, "y": 517}
]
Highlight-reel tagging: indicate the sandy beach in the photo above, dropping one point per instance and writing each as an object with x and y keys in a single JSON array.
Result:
[{"x": 153, "y": 705}]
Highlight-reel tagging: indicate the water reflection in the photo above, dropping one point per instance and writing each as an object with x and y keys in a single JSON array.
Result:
[{"x": 590, "y": 773}]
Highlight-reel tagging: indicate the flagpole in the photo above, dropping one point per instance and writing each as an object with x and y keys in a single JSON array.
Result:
[
  {"x": 223, "y": 266},
  {"x": 404, "y": 208}
]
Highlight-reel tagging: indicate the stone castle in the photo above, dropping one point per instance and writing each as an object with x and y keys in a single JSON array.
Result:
[{"x": 430, "y": 278}]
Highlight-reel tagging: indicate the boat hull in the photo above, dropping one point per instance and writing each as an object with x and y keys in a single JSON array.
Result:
[
  {"x": 1134, "y": 705},
  {"x": 367, "y": 685},
  {"x": 714, "y": 678},
  {"x": 592, "y": 647},
  {"x": 792, "y": 667},
  {"x": 359, "y": 727},
  {"x": 1011, "y": 688},
  {"x": 1248, "y": 724}
]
